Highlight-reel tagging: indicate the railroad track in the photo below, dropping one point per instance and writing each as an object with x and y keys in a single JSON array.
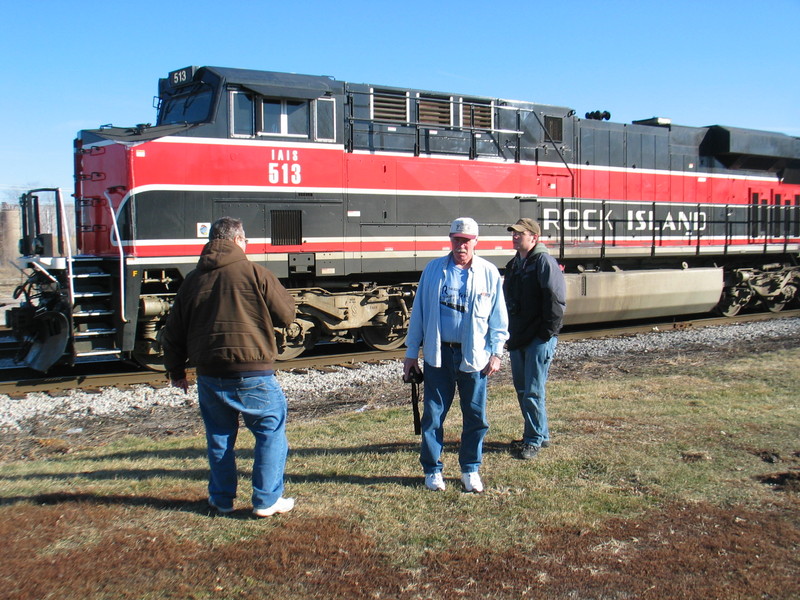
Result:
[
  {"x": 18, "y": 383},
  {"x": 25, "y": 382}
]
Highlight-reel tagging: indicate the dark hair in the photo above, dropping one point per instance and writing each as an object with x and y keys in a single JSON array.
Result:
[{"x": 226, "y": 228}]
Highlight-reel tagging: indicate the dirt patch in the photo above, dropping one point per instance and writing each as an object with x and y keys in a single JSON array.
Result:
[
  {"x": 691, "y": 552},
  {"x": 788, "y": 481},
  {"x": 324, "y": 557},
  {"x": 696, "y": 551}
]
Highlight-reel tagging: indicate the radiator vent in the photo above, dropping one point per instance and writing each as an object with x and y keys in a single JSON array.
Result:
[
  {"x": 389, "y": 106},
  {"x": 287, "y": 227},
  {"x": 476, "y": 115},
  {"x": 434, "y": 110}
]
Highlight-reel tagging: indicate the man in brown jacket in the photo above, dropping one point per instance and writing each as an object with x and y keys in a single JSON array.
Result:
[{"x": 222, "y": 322}]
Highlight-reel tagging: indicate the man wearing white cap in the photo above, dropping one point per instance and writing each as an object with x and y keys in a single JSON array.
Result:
[{"x": 459, "y": 319}]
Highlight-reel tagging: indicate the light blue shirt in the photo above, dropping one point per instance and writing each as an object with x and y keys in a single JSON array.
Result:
[
  {"x": 484, "y": 328},
  {"x": 453, "y": 302}
]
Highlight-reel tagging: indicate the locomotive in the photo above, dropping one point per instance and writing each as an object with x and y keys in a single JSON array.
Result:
[{"x": 346, "y": 191}]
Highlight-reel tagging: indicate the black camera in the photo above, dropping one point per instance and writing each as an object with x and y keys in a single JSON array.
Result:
[{"x": 413, "y": 376}]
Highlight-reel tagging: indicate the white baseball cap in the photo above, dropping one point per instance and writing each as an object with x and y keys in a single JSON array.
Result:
[{"x": 464, "y": 227}]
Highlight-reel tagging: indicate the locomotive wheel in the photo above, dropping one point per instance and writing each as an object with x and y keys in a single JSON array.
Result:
[
  {"x": 290, "y": 351},
  {"x": 144, "y": 357},
  {"x": 147, "y": 350},
  {"x": 295, "y": 339},
  {"x": 732, "y": 302},
  {"x": 150, "y": 362},
  {"x": 383, "y": 338},
  {"x": 729, "y": 310},
  {"x": 779, "y": 302},
  {"x": 775, "y": 305}
]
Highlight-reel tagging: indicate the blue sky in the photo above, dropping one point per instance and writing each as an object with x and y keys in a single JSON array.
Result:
[{"x": 75, "y": 65}]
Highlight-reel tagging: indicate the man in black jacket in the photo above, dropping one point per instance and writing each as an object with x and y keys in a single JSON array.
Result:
[
  {"x": 222, "y": 322},
  {"x": 535, "y": 293}
]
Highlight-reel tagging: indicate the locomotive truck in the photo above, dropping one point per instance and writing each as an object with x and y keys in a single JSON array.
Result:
[{"x": 346, "y": 191}]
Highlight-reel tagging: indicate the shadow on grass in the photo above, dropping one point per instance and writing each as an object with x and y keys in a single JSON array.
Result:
[
  {"x": 112, "y": 474},
  {"x": 166, "y": 454},
  {"x": 244, "y": 457},
  {"x": 450, "y": 446},
  {"x": 87, "y": 499},
  {"x": 192, "y": 453},
  {"x": 354, "y": 479}
]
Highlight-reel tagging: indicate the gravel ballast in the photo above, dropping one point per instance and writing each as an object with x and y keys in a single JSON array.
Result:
[{"x": 375, "y": 385}]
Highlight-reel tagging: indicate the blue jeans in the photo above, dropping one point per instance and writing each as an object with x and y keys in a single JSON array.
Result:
[
  {"x": 263, "y": 407},
  {"x": 440, "y": 387},
  {"x": 529, "y": 367}
]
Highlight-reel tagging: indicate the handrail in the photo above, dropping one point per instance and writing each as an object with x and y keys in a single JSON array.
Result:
[
  {"x": 426, "y": 125},
  {"x": 66, "y": 240},
  {"x": 123, "y": 318},
  {"x": 61, "y": 238},
  {"x": 418, "y": 125}
]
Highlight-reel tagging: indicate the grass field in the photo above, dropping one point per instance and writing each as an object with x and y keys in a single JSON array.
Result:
[{"x": 683, "y": 484}]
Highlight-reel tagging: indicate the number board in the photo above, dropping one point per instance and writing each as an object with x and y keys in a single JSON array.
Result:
[{"x": 181, "y": 76}]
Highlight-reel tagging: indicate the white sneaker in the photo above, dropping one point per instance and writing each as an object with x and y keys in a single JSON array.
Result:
[
  {"x": 282, "y": 505},
  {"x": 472, "y": 482},
  {"x": 434, "y": 481}
]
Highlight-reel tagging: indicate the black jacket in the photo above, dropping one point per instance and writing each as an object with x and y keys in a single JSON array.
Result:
[{"x": 535, "y": 293}]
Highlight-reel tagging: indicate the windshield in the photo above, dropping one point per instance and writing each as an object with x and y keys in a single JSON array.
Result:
[{"x": 192, "y": 106}]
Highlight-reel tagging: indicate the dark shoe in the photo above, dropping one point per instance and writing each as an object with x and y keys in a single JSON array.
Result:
[
  {"x": 223, "y": 510},
  {"x": 529, "y": 451},
  {"x": 520, "y": 443}
]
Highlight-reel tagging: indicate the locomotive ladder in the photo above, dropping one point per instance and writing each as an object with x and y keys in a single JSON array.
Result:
[{"x": 93, "y": 314}]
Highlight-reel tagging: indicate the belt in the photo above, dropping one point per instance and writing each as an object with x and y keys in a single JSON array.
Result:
[
  {"x": 451, "y": 344},
  {"x": 246, "y": 374}
]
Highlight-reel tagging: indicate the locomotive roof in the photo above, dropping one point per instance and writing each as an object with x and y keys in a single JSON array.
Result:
[
  {"x": 735, "y": 140},
  {"x": 314, "y": 86},
  {"x": 734, "y": 146},
  {"x": 137, "y": 133},
  {"x": 264, "y": 82}
]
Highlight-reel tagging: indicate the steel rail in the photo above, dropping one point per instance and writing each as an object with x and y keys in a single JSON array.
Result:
[{"x": 95, "y": 383}]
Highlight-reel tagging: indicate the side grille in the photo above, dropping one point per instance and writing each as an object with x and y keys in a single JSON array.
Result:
[
  {"x": 389, "y": 106},
  {"x": 286, "y": 227},
  {"x": 477, "y": 115},
  {"x": 434, "y": 110}
]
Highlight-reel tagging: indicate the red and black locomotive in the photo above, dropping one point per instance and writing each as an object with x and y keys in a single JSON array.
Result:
[{"x": 346, "y": 191}]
